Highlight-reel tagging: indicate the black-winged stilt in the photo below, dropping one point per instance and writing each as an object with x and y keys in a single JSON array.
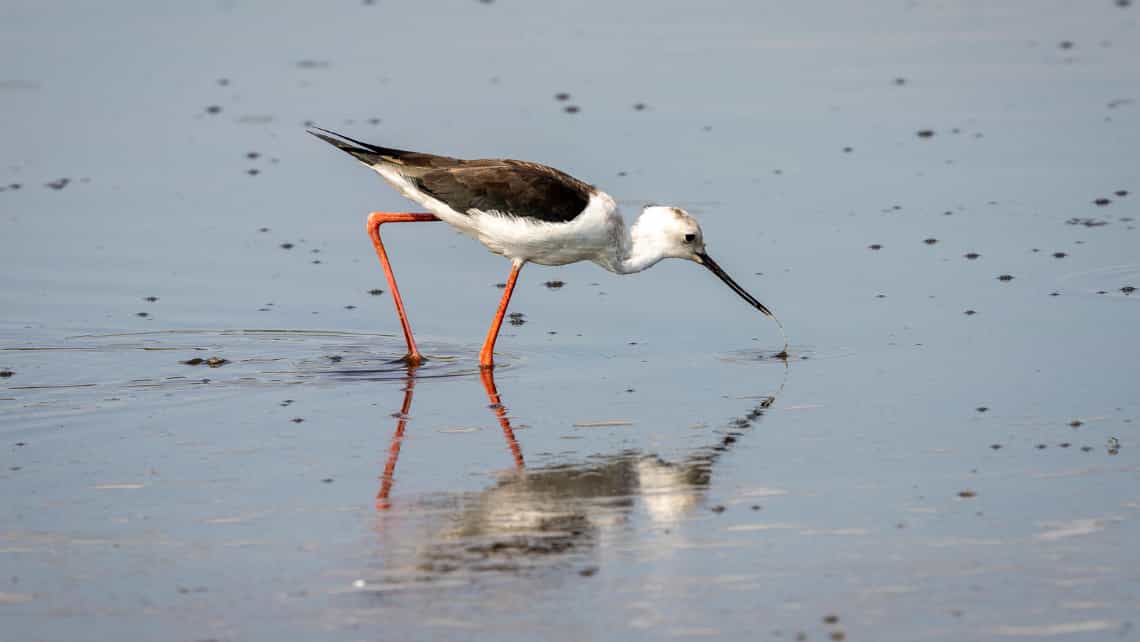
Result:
[{"x": 529, "y": 213}]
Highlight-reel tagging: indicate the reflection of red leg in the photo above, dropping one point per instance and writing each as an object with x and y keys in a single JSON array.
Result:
[
  {"x": 375, "y": 220},
  {"x": 488, "y": 377},
  {"x": 394, "y": 449},
  {"x": 487, "y": 354}
]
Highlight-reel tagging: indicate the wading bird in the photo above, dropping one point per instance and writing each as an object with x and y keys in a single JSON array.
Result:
[{"x": 529, "y": 213}]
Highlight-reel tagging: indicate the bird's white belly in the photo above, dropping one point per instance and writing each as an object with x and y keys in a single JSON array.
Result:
[
  {"x": 537, "y": 242},
  {"x": 591, "y": 235}
]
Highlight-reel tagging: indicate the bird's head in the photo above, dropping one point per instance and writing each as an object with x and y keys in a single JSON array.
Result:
[{"x": 671, "y": 232}]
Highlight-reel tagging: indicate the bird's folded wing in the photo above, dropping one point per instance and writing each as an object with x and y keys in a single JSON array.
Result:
[{"x": 507, "y": 188}]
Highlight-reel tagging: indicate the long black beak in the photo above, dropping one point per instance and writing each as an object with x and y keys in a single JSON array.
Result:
[{"x": 707, "y": 261}]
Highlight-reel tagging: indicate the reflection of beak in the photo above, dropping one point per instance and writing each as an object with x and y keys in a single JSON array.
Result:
[{"x": 706, "y": 260}]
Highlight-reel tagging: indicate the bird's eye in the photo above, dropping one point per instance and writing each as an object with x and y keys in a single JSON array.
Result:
[{"x": 690, "y": 237}]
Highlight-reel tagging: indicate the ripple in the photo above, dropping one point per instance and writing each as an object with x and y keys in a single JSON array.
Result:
[
  {"x": 79, "y": 373},
  {"x": 794, "y": 353}
]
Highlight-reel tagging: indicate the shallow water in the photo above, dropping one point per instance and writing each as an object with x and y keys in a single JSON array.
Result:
[{"x": 640, "y": 466}]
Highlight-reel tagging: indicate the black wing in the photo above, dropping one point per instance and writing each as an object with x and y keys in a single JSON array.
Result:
[{"x": 508, "y": 187}]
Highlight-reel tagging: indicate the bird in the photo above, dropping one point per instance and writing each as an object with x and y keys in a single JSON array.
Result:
[{"x": 528, "y": 213}]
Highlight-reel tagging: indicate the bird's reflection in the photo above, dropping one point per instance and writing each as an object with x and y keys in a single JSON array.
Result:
[
  {"x": 532, "y": 514},
  {"x": 388, "y": 477}
]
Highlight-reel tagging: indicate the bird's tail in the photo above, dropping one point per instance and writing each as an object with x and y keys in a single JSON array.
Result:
[{"x": 363, "y": 152}]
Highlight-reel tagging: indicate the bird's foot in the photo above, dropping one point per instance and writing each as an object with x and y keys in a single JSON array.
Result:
[{"x": 412, "y": 359}]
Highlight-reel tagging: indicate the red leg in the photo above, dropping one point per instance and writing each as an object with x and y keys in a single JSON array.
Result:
[
  {"x": 488, "y": 376},
  {"x": 397, "y": 440},
  {"x": 375, "y": 220},
  {"x": 486, "y": 355}
]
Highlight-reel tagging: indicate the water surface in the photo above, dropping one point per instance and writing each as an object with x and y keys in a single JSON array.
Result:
[{"x": 946, "y": 454}]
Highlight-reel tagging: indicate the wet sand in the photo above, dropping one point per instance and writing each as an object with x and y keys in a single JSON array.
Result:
[{"x": 206, "y": 435}]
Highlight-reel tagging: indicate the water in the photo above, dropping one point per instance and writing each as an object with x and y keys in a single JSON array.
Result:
[{"x": 639, "y": 467}]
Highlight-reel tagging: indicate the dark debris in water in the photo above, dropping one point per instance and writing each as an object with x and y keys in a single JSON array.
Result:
[
  {"x": 376, "y": 291},
  {"x": 973, "y": 256},
  {"x": 875, "y": 246},
  {"x": 571, "y": 109},
  {"x": 925, "y": 133},
  {"x": 58, "y": 184},
  {"x": 214, "y": 109},
  {"x": 1102, "y": 202},
  {"x": 286, "y": 246},
  {"x": 1059, "y": 255},
  {"x": 6, "y": 373},
  {"x": 967, "y": 494},
  {"x": 213, "y": 362},
  {"x": 1128, "y": 289},
  {"x": 1005, "y": 277},
  {"x": 1087, "y": 222},
  {"x": 554, "y": 285},
  {"x": 517, "y": 318},
  {"x": 930, "y": 241}
]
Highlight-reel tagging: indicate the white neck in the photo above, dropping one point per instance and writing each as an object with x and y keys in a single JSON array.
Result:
[{"x": 636, "y": 251}]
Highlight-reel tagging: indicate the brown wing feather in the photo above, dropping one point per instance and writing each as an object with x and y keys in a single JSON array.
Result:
[{"x": 508, "y": 187}]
